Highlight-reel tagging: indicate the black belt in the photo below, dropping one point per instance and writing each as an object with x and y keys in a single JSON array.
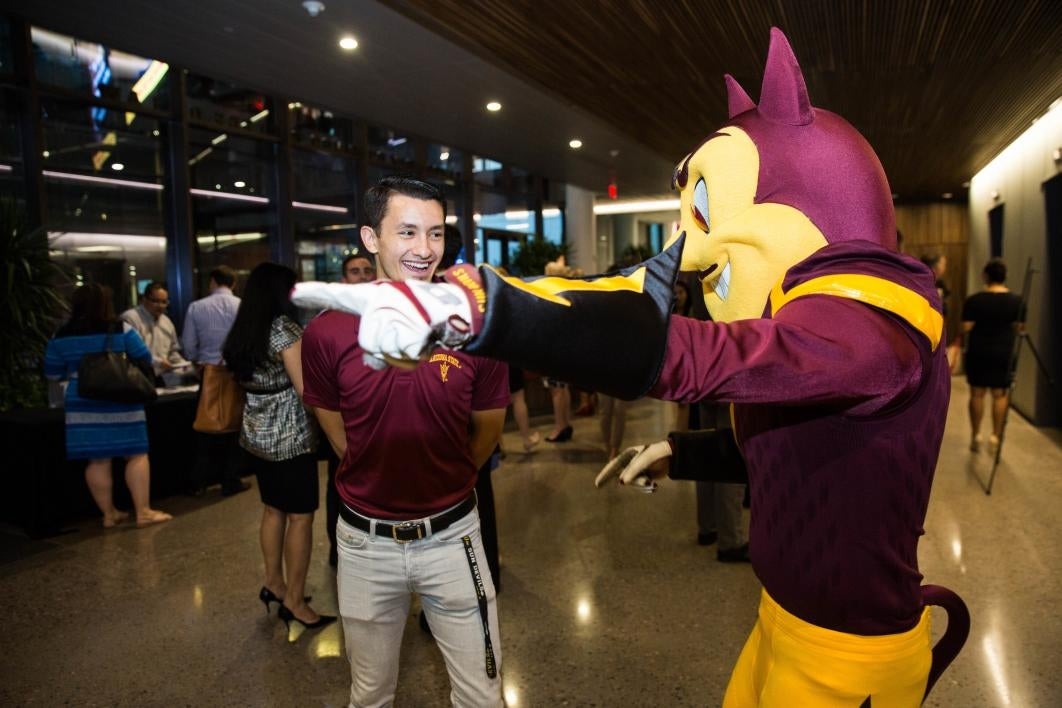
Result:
[{"x": 406, "y": 531}]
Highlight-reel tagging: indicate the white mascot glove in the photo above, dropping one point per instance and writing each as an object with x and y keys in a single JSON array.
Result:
[
  {"x": 638, "y": 466},
  {"x": 399, "y": 320}
]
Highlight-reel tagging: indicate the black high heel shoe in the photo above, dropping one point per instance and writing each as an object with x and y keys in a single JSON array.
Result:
[
  {"x": 288, "y": 616},
  {"x": 266, "y": 596},
  {"x": 563, "y": 436}
]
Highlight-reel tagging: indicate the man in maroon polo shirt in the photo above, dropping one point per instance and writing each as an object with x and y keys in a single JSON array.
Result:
[{"x": 410, "y": 442}]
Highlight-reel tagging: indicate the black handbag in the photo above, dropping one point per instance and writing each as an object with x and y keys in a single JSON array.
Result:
[{"x": 112, "y": 376}]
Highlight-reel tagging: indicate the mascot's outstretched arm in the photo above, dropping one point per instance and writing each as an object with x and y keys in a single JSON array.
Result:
[{"x": 556, "y": 326}]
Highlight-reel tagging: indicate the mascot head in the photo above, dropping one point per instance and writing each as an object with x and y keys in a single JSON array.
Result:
[{"x": 779, "y": 181}]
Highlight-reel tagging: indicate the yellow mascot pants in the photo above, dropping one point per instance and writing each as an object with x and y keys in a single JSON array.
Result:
[{"x": 790, "y": 663}]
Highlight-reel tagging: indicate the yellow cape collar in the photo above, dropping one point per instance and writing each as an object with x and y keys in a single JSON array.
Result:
[{"x": 878, "y": 292}]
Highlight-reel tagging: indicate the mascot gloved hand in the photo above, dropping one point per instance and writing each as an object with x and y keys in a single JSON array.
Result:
[
  {"x": 401, "y": 320},
  {"x": 638, "y": 466}
]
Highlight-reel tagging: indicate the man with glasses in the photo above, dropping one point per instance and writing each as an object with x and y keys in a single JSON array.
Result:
[
  {"x": 358, "y": 268},
  {"x": 150, "y": 321}
]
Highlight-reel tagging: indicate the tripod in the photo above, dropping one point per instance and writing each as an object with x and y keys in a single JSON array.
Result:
[{"x": 1012, "y": 369}]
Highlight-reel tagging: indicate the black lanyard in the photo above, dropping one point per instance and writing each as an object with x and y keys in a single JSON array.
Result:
[{"x": 481, "y": 596}]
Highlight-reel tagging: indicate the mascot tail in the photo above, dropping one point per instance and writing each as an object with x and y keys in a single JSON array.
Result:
[{"x": 955, "y": 635}]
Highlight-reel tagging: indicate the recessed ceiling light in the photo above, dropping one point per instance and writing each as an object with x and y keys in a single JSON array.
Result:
[
  {"x": 46, "y": 153},
  {"x": 348, "y": 43},
  {"x": 575, "y": 143},
  {"x": 493, "y": 106},
  {"x": 239, "y": 184},
  {"x": 444, "y": 156},
  {"x": 946, "y": 195},
  {"x": 117, "y": 166},
  {"x": 966, "y": 185}
]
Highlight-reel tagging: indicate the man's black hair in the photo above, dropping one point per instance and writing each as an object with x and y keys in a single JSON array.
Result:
[
  {"x": 996, "y": 271},
  {"x": 361, "y": 254},
  {"x": 378, "y": 196},
  {"x": 223, "y": 276}
]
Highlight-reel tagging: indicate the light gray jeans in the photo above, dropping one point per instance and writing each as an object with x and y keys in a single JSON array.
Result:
[{"x": 377, "y": 577}]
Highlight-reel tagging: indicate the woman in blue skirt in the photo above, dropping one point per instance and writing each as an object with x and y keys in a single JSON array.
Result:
[{"x": 98, "y": 431}]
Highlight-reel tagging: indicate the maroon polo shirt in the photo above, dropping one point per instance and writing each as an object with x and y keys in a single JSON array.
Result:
[{"x": 408, "y": 432}]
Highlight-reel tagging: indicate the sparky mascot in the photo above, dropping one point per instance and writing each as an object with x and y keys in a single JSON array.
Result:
[{"x": 826, "y": 341}]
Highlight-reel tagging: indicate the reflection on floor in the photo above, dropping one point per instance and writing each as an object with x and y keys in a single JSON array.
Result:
[{"x": 607, "y": 599}]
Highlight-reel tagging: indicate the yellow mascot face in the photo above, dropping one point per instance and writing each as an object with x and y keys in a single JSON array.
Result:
[{"x": 739, "y": 249}]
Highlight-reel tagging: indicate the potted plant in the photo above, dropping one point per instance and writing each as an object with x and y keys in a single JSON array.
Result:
[
  {"x": 31, "y": 306},
  {"x": 531, "y": 258}
]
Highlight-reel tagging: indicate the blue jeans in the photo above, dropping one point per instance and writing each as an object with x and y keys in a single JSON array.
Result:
[{"x": 376, "y": 579}]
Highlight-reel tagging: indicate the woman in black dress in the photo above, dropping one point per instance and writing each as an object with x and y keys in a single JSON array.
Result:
[
  {"x": 264, "y": 351},
  {"x": 991, "y": 319}
]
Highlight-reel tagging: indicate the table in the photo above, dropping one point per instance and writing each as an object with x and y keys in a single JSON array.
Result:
[{"x": 44, "y": 490}]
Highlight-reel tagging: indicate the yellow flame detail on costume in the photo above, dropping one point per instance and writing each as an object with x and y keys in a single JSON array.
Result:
[{"x": 550, "y": 287}]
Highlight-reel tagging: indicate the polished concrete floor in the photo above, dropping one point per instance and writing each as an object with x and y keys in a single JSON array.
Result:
[{"x": 607, "y": 600}]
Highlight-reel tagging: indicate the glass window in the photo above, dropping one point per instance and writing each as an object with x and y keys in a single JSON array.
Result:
[
  {"x": 103, "y": 177},
  {"x": 321, "y": 129},
  {"x": 503, "y": 223},
  {"x": 227, "y": 105},
  {"x": 326, "y": 228},
  {"x": 445, "y": 159},
  {"x": 553, "y": 224},
  {"x": 86, "y": 67},
  {"x": 487, "y": 172},
  {"x": 522, "y": 181},
  {"x": 232, "y": 189},
  {"x": 12, "y": 183},
  {"x": 390, "y": 147},
  {"x": 7, "y": 63}
]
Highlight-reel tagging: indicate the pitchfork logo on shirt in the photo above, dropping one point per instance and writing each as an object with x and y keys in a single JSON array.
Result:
[{"x": 445, "y": 361}]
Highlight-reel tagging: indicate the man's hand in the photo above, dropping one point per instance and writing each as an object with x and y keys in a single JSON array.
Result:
[
  {"x": 638, "y": 466},
  {"x": 399, "y": 320}
]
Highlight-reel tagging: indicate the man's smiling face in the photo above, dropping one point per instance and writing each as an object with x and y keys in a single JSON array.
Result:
[{"x": 409, "y": 243}]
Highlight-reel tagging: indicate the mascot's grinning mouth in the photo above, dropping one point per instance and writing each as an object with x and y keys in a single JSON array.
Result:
[{"x": 721, "y": 286}]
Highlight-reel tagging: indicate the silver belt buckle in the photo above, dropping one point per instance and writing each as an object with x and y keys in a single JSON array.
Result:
[{"x": 407, "y": 525}]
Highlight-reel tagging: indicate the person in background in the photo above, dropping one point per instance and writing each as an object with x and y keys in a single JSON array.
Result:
[
  {"x": 719, "y": 504},
  {"x": 683, "y": 306},
  {"x": 559, "y": 392},
  {"x": 991, "y": 319},
  {"x": 263, "y": 350},
  {"x": 938, "y": 263},
  {"x": 206, "y": 325},
  {"x": 150, "y": 321},
  {"x": 517, "y": 396},
  {"x": 358, "y": 268},
  {"x": 613, "y": 410},
  {"x": 98, "y": 431},
  {"x": 410, "y": 441}
]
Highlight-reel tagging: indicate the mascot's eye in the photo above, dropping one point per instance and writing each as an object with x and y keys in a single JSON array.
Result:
[{"x": 700, "y": 205}]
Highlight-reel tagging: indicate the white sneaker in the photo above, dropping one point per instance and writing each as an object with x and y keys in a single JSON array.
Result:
[
  {"x": 975, "y": 444},
  {"x": 993, "y": 441}
]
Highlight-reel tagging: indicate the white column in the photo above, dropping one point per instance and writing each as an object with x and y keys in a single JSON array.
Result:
[{"x": 579, "y": 226}]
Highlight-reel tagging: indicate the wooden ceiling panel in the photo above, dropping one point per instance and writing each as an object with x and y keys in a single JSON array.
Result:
[{"x": 938, "y": 87}]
